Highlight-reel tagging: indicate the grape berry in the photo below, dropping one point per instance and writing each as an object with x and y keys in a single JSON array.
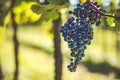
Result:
[{"x": 78, "y": 31}]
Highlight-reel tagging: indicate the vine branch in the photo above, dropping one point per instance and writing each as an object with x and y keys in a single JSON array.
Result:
[{"x": 99, "y": 11}]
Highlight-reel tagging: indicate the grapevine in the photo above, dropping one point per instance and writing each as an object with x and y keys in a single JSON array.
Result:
[{"x": 78, "y": 30}]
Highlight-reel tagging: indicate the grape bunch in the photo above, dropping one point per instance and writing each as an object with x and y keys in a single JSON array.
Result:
[{"x": 78, "y": 31}]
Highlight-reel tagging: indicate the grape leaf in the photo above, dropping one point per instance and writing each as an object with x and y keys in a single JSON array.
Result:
[
  {"x": 18, "y": 2},
  {"x": 117, "y": 26},
  {"x": 111, "y": 22},
  {"x": 53, "y": 1},
  {"x": 63, "y": 6},
  {"x": 48, "y": 12},
  {"x": 38, "y": 9},
  {"x": 48, "y": 15},
  {"x": 54, "y": 15},
  {"x": 117, "y": 15},
  {"x": 58, "y": 2}
]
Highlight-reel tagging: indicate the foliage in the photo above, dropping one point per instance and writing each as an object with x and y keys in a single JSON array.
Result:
[
  {"x": 114, "y": 21},
  {"x": 47, "y": 11},
  {"x": 23, "y": 13},
  {"x": 117, "y": 20},
  {"x": 110, "y": 21},
  {"x": 54, "y": 6},
  {"x": 57, "y": 2}
]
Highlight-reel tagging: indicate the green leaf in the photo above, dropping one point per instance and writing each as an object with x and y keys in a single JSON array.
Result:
[
  {"x": 18, "y": 2},
  {"x": 49, "y": 11},
  {"x": 63, "y": 6},
  {"x": 52, "y": 15},
  {"x": 111, "y": 22},
  {"x": 49, "y": 7},
  {"x": 117, "y": 15},
  {"x": 117, "y": 26},
  {"x": 58, "y": 2},
  {"x": 38, "y": 9},
  {"x": 53, "y": 1}
]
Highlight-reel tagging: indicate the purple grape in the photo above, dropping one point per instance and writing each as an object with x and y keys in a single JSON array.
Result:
[{"x": 78, "y": 32}]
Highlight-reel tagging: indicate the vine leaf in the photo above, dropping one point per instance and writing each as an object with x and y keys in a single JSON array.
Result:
[
  {"x": 63, "y": 6},
  {"x": 117, "y": 26},
  {"x": 117, "y": 14},
  {"x": 54, "y": 1},
  {"x": 47, "y": 16},
  {"x": 41, "y": 9},
  {"x": 49, "y": 11},
  {"x": 110, "y": 21},
  {"x": 117, "y": 20},
  {"x": 57, "y": 2},
  {"x": 38, "y": 9},
  {"x": 18, "y": 2},
  {"x": 51, "y": 15}
]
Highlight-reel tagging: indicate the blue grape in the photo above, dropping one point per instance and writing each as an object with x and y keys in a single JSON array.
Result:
[
  {"x": 70, "y": 12},
  {"x": 98, "y": 22},
  {"x": 72, "y": 54},
  {"x": 82, "y": 54},
  {"x": 70, "y": 20},
  {"x": 78, "y": 31},
  {"x": 78, "y": 55},
  {"x": 77, "y": 61},
  {"x": 66, "y": 24},
  {"x": 78, "y": 5}
]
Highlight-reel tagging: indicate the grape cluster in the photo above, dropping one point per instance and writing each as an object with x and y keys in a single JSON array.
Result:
[{"x": 78, "y": 31}]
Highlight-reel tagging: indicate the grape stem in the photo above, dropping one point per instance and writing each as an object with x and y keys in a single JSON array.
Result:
[{"x": 99, "y": 11}]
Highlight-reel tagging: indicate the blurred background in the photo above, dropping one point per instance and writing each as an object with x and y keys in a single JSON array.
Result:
[{"x": 28, "y": 43}]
